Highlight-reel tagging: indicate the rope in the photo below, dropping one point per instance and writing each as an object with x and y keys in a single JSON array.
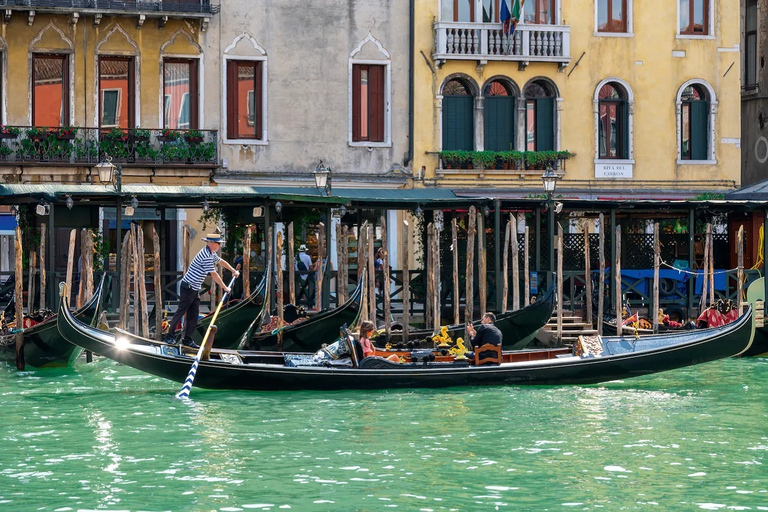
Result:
[
  {"x": 686, "y": 271},
  {"x": 760, "y": 251}
]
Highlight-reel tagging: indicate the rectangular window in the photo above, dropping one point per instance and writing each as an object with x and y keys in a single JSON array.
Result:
[
  {"x": 539, "y": 12},
  {"x": 180, "y": 90},
  {"x": 750, "y": 46},
  {"x": 694, "y": 17},
  {"x": 50, "y": 90},
  {"x": 458, "y": 10},
  {"x": 244, "y": 108},
  {"x": 117, "y": 86},
  {"x": 612, "y": 15},
  {"x": 367, "y": 103}
]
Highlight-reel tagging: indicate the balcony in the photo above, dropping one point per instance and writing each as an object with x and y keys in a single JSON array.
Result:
[
  {"x": 500, "y": 163},
  {"x": 486, "y": 41},
  {"x": 77, "y": 146},
  {"x": 142, "y": 9}
]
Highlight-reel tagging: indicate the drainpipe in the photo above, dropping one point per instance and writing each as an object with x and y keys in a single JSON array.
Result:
[{"x": 411, "y": 37}]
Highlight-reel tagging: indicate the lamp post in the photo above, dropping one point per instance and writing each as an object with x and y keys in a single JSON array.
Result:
[
  {"x": 549, "y": 179},
  {"x": 322, "y": 176}
]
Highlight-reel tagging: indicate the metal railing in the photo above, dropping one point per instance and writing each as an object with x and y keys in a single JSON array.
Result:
[
  {"x": 159, "y": 6},
  {"x": 88, "y": 146}
]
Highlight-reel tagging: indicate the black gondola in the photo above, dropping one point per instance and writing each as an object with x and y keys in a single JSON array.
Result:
[
  {"x": 44, "y": 346},
  {"x": 607, "y": 359}
]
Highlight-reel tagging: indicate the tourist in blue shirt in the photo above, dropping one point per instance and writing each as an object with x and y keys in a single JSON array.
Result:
[{"x": 189, "y": 299}]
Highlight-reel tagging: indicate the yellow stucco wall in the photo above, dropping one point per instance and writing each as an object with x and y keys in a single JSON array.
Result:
[{"x": 643, "y": 61}]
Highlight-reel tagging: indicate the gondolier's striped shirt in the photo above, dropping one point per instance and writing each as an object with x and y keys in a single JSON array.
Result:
[{"x": 201, "y": 266}]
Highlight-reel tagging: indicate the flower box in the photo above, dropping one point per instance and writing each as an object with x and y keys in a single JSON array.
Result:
[
  {"x": 8, "y": 135},
  {"x": 65, "y": 136},
  {"x": 194, "y": 139}
]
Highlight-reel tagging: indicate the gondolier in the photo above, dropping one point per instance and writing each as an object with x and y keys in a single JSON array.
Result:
[{"x": 203, "y": 264}]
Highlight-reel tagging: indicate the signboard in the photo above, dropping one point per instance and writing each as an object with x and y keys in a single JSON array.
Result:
[
  {"x": 759, "y": 313},
  {"x": 613, "y": 170},
  {"x": 534, "y": 283}
]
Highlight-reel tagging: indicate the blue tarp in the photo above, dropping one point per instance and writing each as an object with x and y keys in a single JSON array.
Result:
[
  {"x": 7, "y": 224},
  {"x": 680, "y": 278}
]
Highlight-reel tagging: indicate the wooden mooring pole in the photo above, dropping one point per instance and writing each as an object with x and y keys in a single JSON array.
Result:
[
  {"x": 455, "y": 253},
  {"x": 656, "y": 263},
  {"x": 740, "y": 270},
  {"x": 601, "y": 291},
  {"x": 385, "y": 277},
  {"x": 157, "y": 271},
  {"x": 18, "y": 297},
  {"x": 279, "y": 294},
  {"x": 406, "y": 280},
  {"x": 559, "y": 283},
  {"x": 617, "y": 279},
  {"x": 469, "y": 293}
]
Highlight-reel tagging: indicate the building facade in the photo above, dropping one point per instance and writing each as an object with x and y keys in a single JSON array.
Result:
[
  {"x": 324, "y": 83},
  {"x": 641, "y": 96},
  {"x": 754, "y": 91}
]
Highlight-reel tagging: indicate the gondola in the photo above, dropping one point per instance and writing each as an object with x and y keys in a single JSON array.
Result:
[
  {"x": 755, "y": 293},
  {"x": 308, "y": 335},
  {"x": 43, "y": 345},
  {"x": 518, "y": 328},
  {"x": 235, "y": 318},
  {"x": 600, "y": 360}
]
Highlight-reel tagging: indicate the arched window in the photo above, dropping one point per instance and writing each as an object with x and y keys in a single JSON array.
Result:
[
  {"x": 694, "y": 123},
  {"x": 539, "y": 117},
  {"x": 499, "y": 116},
  {"x": 613, "y": 123},
  {"x": 458, "y": 116}
]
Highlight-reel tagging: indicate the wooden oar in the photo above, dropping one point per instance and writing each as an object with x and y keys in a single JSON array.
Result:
[{"x": 187, "y": 387}]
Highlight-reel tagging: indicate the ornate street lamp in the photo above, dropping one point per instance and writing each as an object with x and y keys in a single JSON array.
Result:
[
  {"x": 322, "y": 176},
  {"x": 108, "y": 173}
]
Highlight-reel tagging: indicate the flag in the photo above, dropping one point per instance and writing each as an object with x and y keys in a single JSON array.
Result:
[
  {"x": 505, "y": 17},
  {"x": 514, "y": 17}
]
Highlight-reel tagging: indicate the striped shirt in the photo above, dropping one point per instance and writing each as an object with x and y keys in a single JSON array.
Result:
[{"x": 201, "y": 266}]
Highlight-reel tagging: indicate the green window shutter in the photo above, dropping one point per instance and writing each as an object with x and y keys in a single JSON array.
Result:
[
  {"x": 699, "y": 130},
  {"x": 624, "y": 113},
  {"x": 545, "y": 124},
  {"x": 499, "y": 123},
  {"x": 458, "y": 123}
]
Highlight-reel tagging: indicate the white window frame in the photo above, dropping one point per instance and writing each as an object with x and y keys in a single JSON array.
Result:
[
  {"x": 630, "y": 122},
  {"x": 711, "y": 160},
  {"x": 387, "y": 63},
  {"x": 630, "y": 23},
  {"x": 710, "y": 26},
  {"x": 117, "y": 108}
]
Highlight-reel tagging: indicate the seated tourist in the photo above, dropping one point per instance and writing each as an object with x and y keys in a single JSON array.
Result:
[
  {"x": 366, "y": 330},
  {"x": 486, "y": 332}
]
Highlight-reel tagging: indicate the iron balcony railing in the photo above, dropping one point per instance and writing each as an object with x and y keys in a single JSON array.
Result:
[
  {"x": 161, "y": 6},
  {"x": 88, "y": 146},
  {"x": 487, "y": 41}
]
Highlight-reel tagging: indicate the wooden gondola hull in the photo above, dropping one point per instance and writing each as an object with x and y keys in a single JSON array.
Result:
[
  {"x": 755, "y": 293},
  {"x": 231, "y": 369},
  {"x": 234, "y": 320},
  {"x": 44, "y": 347}
]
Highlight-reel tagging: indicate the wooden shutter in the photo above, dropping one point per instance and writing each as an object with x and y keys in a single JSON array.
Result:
[
  {"x": 499, "y": 123},
  {"x": 258, "y": 108},
  {"x": 458, "y": 123},
  {"x": 193, "y": 94},
  {"x": 356, "y": 102},
  {"x": 376, "y": 103},
  {"x": 232, "y": 99},
  {"x": 699, "y": 130},
  {"x": 545, "y": 124},
  {"x": 65, "y": 90}
]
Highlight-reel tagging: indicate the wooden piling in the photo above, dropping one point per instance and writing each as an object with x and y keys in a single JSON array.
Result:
[
  {"x": 505, "y": 268},
  {"x": 656, "y": 264},
  {"x": 31, "y": 281},
  {"x": 601, "y": 291},
  {"x": 157, "y": 274},
  {"x": 81, "y": 264},
  {"x": 371, "y": 276},
  {"x": 125, "y": 280},
  {"x": 320, "y": 267},
  {"x": 291, "y": 264},
  {"x": 587, "y": 271},
  {"x": 279, "y": 294},
  {"x": 70, "y": 263},
  {"x": 88, "y": 265},
  {"x": 246, "y": 270},
  {"x": 526, "y": 268},
  {"x": 43, "y": 275},
  {"x": 740, "y": 269},
  {"x": 559, "y": 283},
  {"x": 385, "y": 276},
  {"x": 436, "y": 316},
  {"x": 482, "y": 274},
  {"x": 406, "y": 280},
  {"x": 429, "y": 302},
  {"x": 344, "y": 264},
  {"x": 362, "y": 265},
  {"x": 617, "y": 280},
  {"x": 711, "y": 265},
  {"x": 185, "y": 246},
  {"x": 705, "y": 273},
  {"x": 515, "y": 263},
  {"x": 269, "y": 292},
  {"x": 18, "y": 296},
  {"x": 469, "y": 293},
  {"x": 455, "y": 251},
  {"x": 136, "y": 288}
]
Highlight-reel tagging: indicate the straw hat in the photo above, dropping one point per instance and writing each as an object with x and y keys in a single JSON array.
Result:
[
  {"x": 303, "y": 248},
  {"x": 213, "y": 237}
]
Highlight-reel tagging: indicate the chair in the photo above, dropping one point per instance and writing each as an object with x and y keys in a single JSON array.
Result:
[
  {"x": 495, "y": 358},
  {"x": 698, "y": 255}
]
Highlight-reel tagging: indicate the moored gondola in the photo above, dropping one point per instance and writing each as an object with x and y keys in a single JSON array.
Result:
[
  {"x": 599, "y": 360},
  {"x": 43, "y": 345}
]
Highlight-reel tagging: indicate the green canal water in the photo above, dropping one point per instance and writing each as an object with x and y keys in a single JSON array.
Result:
[{"x": 106, "y": 437}]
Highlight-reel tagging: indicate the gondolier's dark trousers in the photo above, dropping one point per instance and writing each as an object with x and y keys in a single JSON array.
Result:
[{"x": 189, "y": 308}]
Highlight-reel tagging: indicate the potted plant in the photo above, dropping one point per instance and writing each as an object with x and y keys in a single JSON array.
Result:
[
  {"x": 511, "y": 159},
  {"x": 485, "y": 159},
  {"x": 9, "y": 132},
  {"x": 5, "y": 151},
  {"x": 194, "y": 136},
  {"x": 38, "y": 134},
  {"x": 140, "y": 134},
  {"x": 169, "y": 135},
  {"x": 115, "y": 134},
  {"x": 66, "y": 133}
]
